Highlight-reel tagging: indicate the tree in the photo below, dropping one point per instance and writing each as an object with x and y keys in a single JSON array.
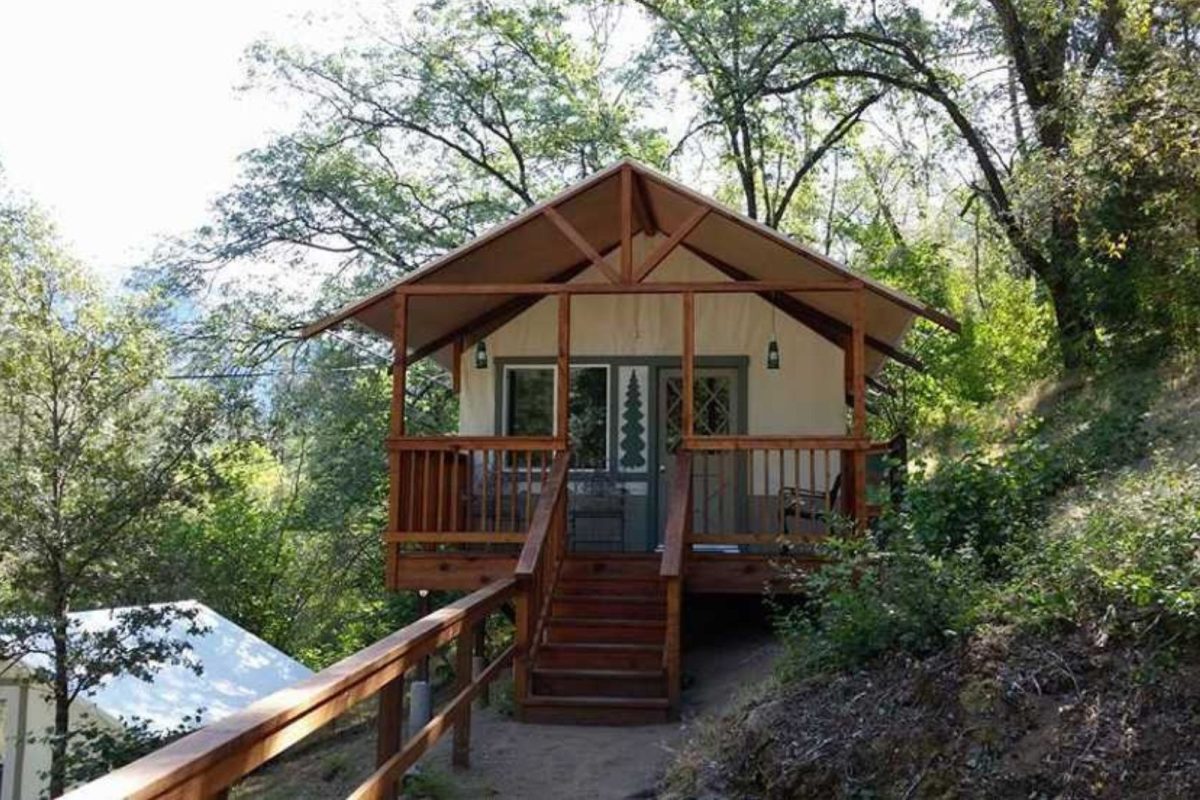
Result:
[
  {"x": 731, "y": 52},
  {"x": 1053, "y": 55},
  {"x": 91, "y": 449},
  {"x": 450, "y": 121}
]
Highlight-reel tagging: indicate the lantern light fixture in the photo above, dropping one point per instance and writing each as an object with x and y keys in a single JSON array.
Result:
[
  {"x": 773, "y": 354},
  {"x": 481, "y": 355}
]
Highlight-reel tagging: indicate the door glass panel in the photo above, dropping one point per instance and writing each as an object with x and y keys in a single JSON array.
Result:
[{"x": 713, "y": 408}]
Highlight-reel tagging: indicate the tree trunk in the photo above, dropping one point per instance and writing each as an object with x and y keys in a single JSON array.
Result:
[
  {"x": 62, "y": 703},
  {"x": 1077, "y": 338}
]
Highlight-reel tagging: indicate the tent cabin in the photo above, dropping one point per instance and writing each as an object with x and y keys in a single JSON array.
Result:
[
  {"x": 237, "y": 668},
  {"x": 656, "y": 396}
]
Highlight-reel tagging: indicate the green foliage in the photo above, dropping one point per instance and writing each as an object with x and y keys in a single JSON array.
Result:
[
  {"x": 285, "y": 541},
  {"x": 988, "y": 500},
  {"x": 93, "y": 451},
  {"x": 1135, "y": 556},
  {"x": 869, "y": 600},
  {"x": 98, "y": 748},
  {"x": 1005, "y": 344},
  {"x": 971, "y": 543}
]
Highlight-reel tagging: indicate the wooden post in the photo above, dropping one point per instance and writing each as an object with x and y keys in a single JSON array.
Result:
[
  {"x": 674, "y": 646},
  {"x": 456, "y": 353},
  {"x": 858, "y": 366},
  {"x": 396, "y": 458},
  {"x": 563, "y": 386},
  {"x": 626, "y": 211},
  {"x": 689, "y": 363},
  {"x": 485, "y": 694},
  {"x": 523, "y": 636},
  {"x": 388, "y": 738},
  {"x": 461, "y": 754},
  {"x": 423, "y": 608},
  {"x": 399, "y": 360},
  {"x": 390, "y": 715}
]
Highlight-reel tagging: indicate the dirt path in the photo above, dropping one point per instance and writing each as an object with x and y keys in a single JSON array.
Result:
[{"x": 511, "y": 761}]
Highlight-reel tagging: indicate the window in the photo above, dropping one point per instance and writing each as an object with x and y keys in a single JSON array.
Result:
[
  {"x": 589, "y": 417},
  {"x": 529, "y": 401},
  {"x": 529, "y": 409}
]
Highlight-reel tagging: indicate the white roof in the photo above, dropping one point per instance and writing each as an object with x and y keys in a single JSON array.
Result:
[{"x": 239, "y": 668}]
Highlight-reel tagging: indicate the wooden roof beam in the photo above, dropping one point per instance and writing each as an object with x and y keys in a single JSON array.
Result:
[
  {"x": 826, "y": 326},
  {"x": 499, "y": 315},
  {"x": 583, "y": 245},
  {"x": 593, "y": 287},
  {"x": 641, "y": 204},
  {"x": 665, "y": 249}
]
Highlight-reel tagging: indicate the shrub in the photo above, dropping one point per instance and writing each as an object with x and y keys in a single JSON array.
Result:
[
  {"x": 867, "y": 601},
  {"x": 1130, "y": 564},
  {"x": 990, "y": 503}
]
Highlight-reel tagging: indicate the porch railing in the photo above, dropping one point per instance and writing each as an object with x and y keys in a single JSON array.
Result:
[
  {"x": 206, "y": 763},
  {"x": 537, "y": 571},
  {"x": 759, "y": 492},
  {"x": 465, "y": 493}
]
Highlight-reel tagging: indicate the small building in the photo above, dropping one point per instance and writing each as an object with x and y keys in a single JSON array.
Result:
[
  {"x": 657, "y": 396},
  {"x": 237, "y": 668}
]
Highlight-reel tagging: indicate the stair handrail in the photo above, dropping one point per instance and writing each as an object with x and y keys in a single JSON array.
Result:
[
  {"x": 675, "y": 548},
  {"x": 206, "y": 762},
  {"x": 679, "y": 516},
  {"x": 537, "y": 569}
]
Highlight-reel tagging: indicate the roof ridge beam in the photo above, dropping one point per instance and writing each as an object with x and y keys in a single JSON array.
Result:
[
  {"x": 641, "y": 204},
  {"x": 625, "y": 220}
]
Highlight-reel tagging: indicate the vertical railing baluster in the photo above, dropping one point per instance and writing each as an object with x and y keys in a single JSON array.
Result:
[
  {"x": 485, "y": 481},
  {"x": 528, "y": 488},
  {"x": 499, "y": 498},
  {"x": 455, "y": 495},
  {"x": 441, "y": 490},
  {"x": 513, "y": 480},
  {"x": 828, "y": 489},
  {"x": 779, "y": 494},
  {"x": 725, "y": 470}
]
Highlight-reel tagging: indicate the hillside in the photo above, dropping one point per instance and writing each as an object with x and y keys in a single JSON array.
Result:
[{"x": 1057, "y": 658}]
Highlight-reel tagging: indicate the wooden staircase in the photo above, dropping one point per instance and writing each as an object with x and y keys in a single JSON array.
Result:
[{"x": 601, "y": 659}]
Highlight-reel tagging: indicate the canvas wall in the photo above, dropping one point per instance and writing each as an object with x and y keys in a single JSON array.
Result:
[{"x": 805, "y": 396}]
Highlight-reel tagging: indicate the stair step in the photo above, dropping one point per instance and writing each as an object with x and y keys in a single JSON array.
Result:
[
  {"x": 605, "y": 629},
  {"x": 607, "y": 606},
  {"x": 591, "y": 710},
  {"x": 599, "y": 655},
  {"x": 610, "y": 585},
  {"x": 599, "y": 683},
  {"x": 630, "y": 566}
]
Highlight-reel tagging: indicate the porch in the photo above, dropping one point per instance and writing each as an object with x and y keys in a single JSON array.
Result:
[{"x": 468, "y": 505}]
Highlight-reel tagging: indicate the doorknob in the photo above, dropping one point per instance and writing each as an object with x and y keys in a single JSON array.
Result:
[{"x": 662, "y": 469}]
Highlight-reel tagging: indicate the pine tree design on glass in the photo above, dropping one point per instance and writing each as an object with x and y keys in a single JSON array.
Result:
[{"x": 633, "y": 429}]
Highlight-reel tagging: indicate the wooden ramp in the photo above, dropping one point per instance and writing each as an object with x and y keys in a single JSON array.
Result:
[{"x": 601, "y": 660}]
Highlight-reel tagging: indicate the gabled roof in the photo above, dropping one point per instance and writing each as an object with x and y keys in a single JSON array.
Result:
[
  {"x": 237, "y": 669},
  {"x": 530, "y": 248}
]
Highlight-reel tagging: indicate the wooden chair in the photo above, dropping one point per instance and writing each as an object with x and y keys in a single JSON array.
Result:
[{"x": 806, "y": 504}]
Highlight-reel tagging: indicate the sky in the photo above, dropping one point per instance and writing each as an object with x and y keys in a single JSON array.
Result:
[{"x": 122, "y": 119}]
